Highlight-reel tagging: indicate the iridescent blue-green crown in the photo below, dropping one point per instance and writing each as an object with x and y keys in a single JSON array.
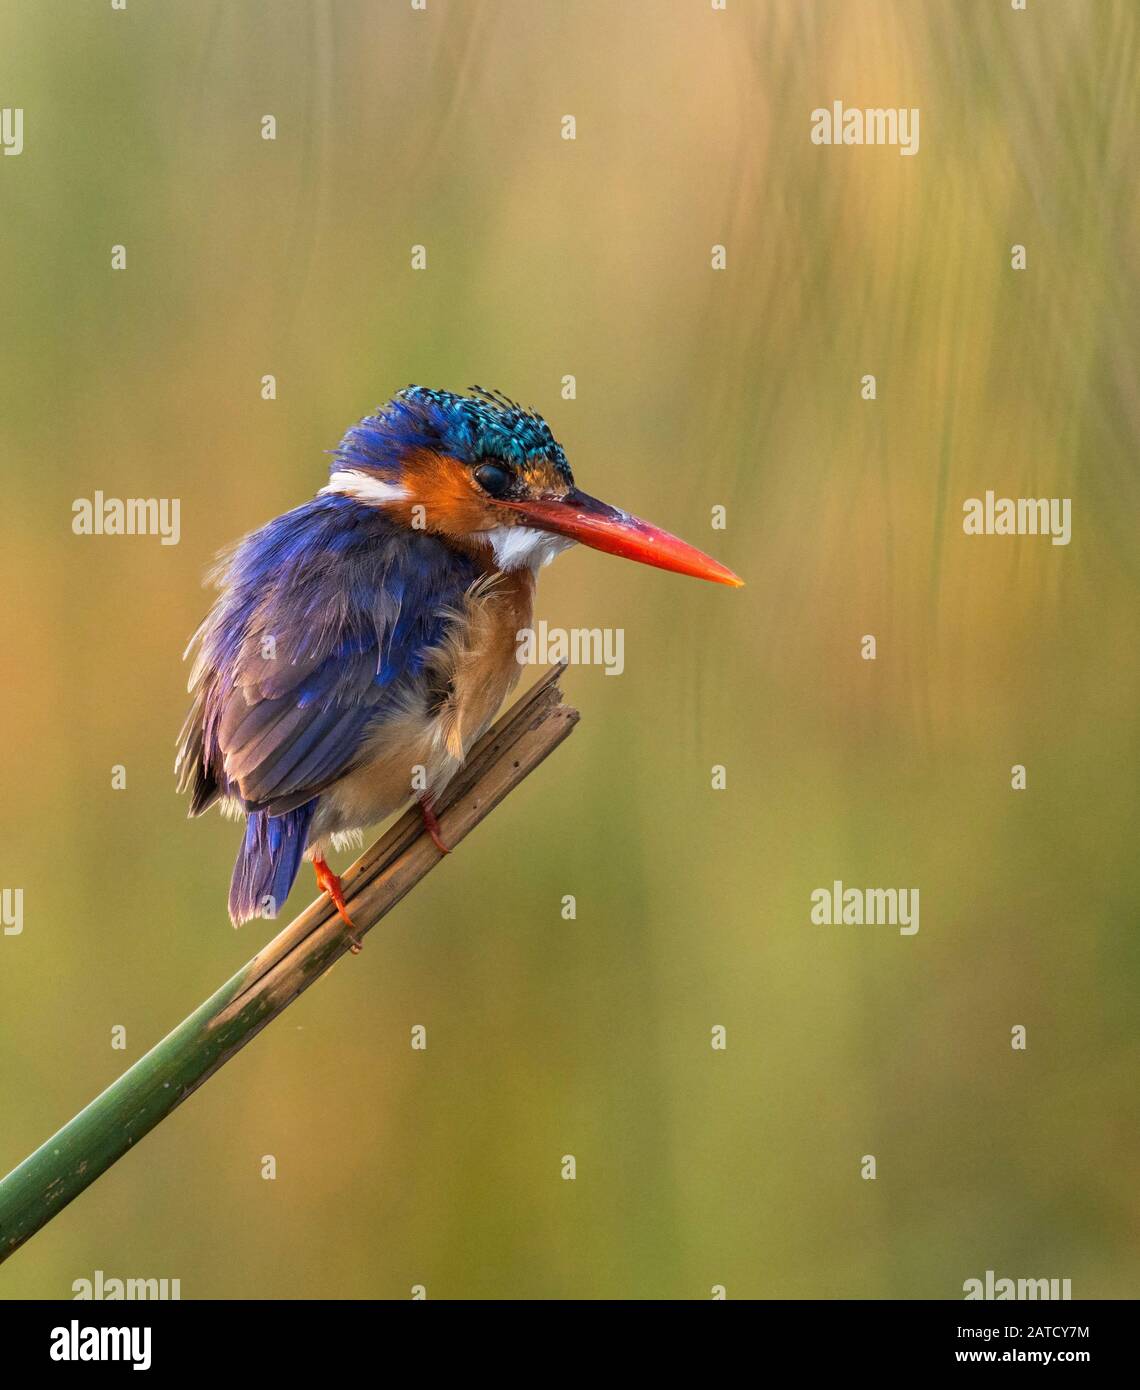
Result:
[{"x": 482, "y": 425}]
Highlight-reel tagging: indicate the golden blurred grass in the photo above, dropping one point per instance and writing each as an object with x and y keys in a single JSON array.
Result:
[{"x": 695, "y": 388}]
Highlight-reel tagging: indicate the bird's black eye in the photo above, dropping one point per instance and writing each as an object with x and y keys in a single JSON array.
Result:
[{"x": 493, "y": 478}]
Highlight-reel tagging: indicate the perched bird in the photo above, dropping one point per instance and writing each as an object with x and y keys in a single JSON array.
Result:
[{"x": 361, "y": 643}]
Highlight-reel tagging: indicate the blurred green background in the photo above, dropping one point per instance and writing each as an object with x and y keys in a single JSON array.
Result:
[{"x": 695, "y": 388}]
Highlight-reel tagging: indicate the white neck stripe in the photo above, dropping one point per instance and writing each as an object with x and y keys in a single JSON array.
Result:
[{"x": 349, "y": 483}]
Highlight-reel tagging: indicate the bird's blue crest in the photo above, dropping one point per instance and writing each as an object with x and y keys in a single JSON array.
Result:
[{"x": 483, "y": 425}]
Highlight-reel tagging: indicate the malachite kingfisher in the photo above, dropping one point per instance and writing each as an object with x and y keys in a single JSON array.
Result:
[{"x": 361, "y": 643}]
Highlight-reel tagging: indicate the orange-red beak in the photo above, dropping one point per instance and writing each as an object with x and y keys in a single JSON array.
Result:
[{"x": 585, "y": 519}]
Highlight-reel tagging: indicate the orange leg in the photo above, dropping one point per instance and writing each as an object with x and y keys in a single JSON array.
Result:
[
  {"x": 329, "y": 883},
  {"x": 431, "y": 825}
]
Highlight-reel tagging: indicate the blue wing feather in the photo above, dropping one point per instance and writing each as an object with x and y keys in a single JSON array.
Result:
[{"x": 325, "y": 622}]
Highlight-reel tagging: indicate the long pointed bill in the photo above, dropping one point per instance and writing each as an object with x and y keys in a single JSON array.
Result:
[{"x": 584, "y": 518}]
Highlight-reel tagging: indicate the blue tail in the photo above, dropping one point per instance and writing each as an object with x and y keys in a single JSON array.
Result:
[{"x": 268, "y": 862}]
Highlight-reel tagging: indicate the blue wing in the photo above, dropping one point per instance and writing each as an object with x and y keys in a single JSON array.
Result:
[{"x": 326, "y": 623}]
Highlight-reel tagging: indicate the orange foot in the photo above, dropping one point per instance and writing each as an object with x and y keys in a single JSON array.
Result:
[
  {"x": 431, "y": 825},
  {"x": 329, "y": 883}
]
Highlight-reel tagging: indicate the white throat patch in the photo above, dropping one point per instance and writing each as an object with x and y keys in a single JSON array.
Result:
[{"x": 516, "y": 547}]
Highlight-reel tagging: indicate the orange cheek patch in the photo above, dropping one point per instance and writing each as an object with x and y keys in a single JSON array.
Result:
[{"x": 442, "y": 497}]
